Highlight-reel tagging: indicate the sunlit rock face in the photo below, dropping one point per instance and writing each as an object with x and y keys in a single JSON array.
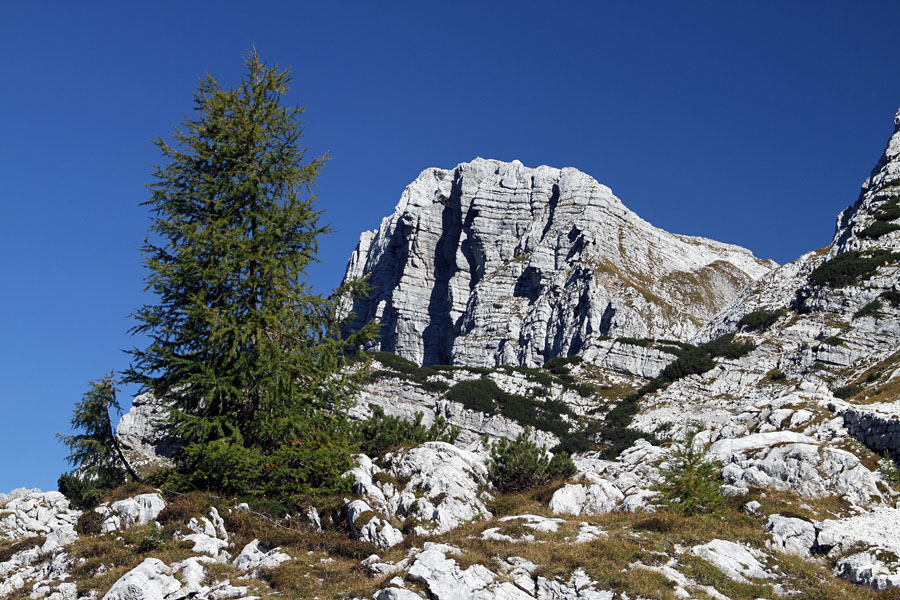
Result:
[{"x": 497, "y": 263}]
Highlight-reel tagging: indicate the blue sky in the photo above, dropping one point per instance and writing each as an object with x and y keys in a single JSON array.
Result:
[{"x": 750, "y": 123}]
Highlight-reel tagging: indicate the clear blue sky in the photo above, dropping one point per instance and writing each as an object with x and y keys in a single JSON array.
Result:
[{"x": 751, "y": 123}]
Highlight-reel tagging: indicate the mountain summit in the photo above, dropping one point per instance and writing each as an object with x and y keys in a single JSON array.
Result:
[{"x": 496, "y": 263}]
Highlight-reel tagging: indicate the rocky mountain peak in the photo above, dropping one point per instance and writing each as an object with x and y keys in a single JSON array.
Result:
[
  {"x": 498, "y": 263},
  {"x": 869, "y": 224}
]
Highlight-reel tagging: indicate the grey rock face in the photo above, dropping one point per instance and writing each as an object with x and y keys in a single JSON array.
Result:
[
  {"x": 142, "y": 434},
  {"x": 28, "y": 513},
  {"x": 496, "y": 263},
  {"x": 442, "y": 489},
  {"x": 735, "y": 560},
  {"x": 791, "y": 535},
  {"x": 123, "y": 514}
]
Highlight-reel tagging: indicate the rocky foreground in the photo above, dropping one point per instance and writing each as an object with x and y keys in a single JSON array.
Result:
[{"x": 560, "y": 313}]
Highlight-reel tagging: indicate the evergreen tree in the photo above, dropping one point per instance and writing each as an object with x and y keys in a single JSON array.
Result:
[
  {"x": 247, "y": 356},
  {"x": 690, "y": 483},
  {"x": 99, "y": 462}
]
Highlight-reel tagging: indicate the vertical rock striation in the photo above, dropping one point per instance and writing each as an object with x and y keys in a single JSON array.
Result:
[{"x": 496, "y": 263}]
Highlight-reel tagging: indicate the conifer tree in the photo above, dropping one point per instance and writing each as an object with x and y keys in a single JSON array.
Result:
[
  {"x": 95, "y": 453},
  {"x": 247, "y": 356}
]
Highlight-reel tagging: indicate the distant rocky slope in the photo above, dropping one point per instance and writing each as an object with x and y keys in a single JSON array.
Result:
[{"x": 495, "y": 263}]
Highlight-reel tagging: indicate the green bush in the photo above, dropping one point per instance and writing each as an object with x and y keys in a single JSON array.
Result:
[
  {"x": 405, "y": 369},
  {"x": 476, "y": 394},
  {"x": 521, "y": 464},
  {"x": 888, "y": 469},
  {"x": 81, "y": 493},
  {"x": 869, "y": 310},
  {"x": 692, "y": 361},
  {"x": 484, "y": 395},
  {"x": 889, "y": 211},
  {"x": 642, "y": 342},
  {"x": 396, "y": 362},
  {"x": 878, "y": 229},
  {"x": 846, "y": 391},
  {"x": 624, "y": 411},
  {"x": 759, "y": 320},
  {"x": 154, "y": 540},
  {"x": 560, "y": 364},
  {"x": 691, "y": 482},
  {"x": 669, "y": 348},
  {"x": 618, "y": 439},
  {"x": 382, "y": 433},
  {"x": 311, "y": 466},
  {"x": 777, "y": 375},
  {"x": 850, "y": 268},
  {"x": 833, "y": 340},
  {"x": 726, "y": 347},
  {"x": 892, "y": 296}
]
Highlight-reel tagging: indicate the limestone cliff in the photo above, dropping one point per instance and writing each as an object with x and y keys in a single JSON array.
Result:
[{"x": 495, "y": 263}]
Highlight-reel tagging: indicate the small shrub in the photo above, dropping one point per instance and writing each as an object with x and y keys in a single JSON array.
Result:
[
  {"x": 578, "y": 441},
  {"x": 850, "y": 268},
  {"x": 889, "y": 211},
  {"x": 669, "y": 349},
  {"x": 878, "y": 229},
  {"x": 892, "y": 296},
  {"x": 777, "y": 375},
  {"x": 887, "y": 468},
  {"x": 693, "y": 361},
  {"x": 585, "y": 390},
  {"x": 622, "y": 413},
  {"x": 642, "y": 342},
  {"x": 476, "y": 394},
  {"x": 521, "y": 465},
  {"x": 759, "y": 320},
  {"x": 869, "y": 310},
  {"x": 396, "y": 362},
  {"x": 89, "y": 522},
  {"x": 691, "y": 482},
  {"x": 833, "y": 340},
  {"x": 560, "y": 364},
  {"x": 183, "y": 507},
  {"x": 619, "y": 439},
  {"x": 154, "y": 540},
  {"x": 437, "y": 386},
  {"x": 846, "y": 391},
  {"x": 381, "y": 433},
  {"x": 726, "y": 347},
  {"x": 82, "y": 494}
]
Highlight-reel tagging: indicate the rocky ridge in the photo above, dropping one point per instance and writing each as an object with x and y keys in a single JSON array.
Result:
[{"x": 496, "y": 263}]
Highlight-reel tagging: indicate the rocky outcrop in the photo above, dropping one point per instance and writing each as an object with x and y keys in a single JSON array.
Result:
[
  {"x": 496, "y": 263},
  {"x": 143, "y": 436},
  {"x": 123, "y": 514},
  {"x": 31, "y": 513},
  {"x": 431, "y": 489}
]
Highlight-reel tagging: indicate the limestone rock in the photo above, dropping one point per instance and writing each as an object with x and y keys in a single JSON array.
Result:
[
  {"x": 28, "y": 513},
  {"x": 736, "y": 561},
  {"x": 577, "y": 499},
  {"x": 139, "y": 510},
  {"x": 150, "y": 580},
  {"x": 866, "y": 569},
  {"x": 791, "y": 535},
  {"x": 443, "y": 488},
  {"x": 142, "y": 434},
  {"x": 557, "y": 251},
  {"x": 252, "y": 558}
]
